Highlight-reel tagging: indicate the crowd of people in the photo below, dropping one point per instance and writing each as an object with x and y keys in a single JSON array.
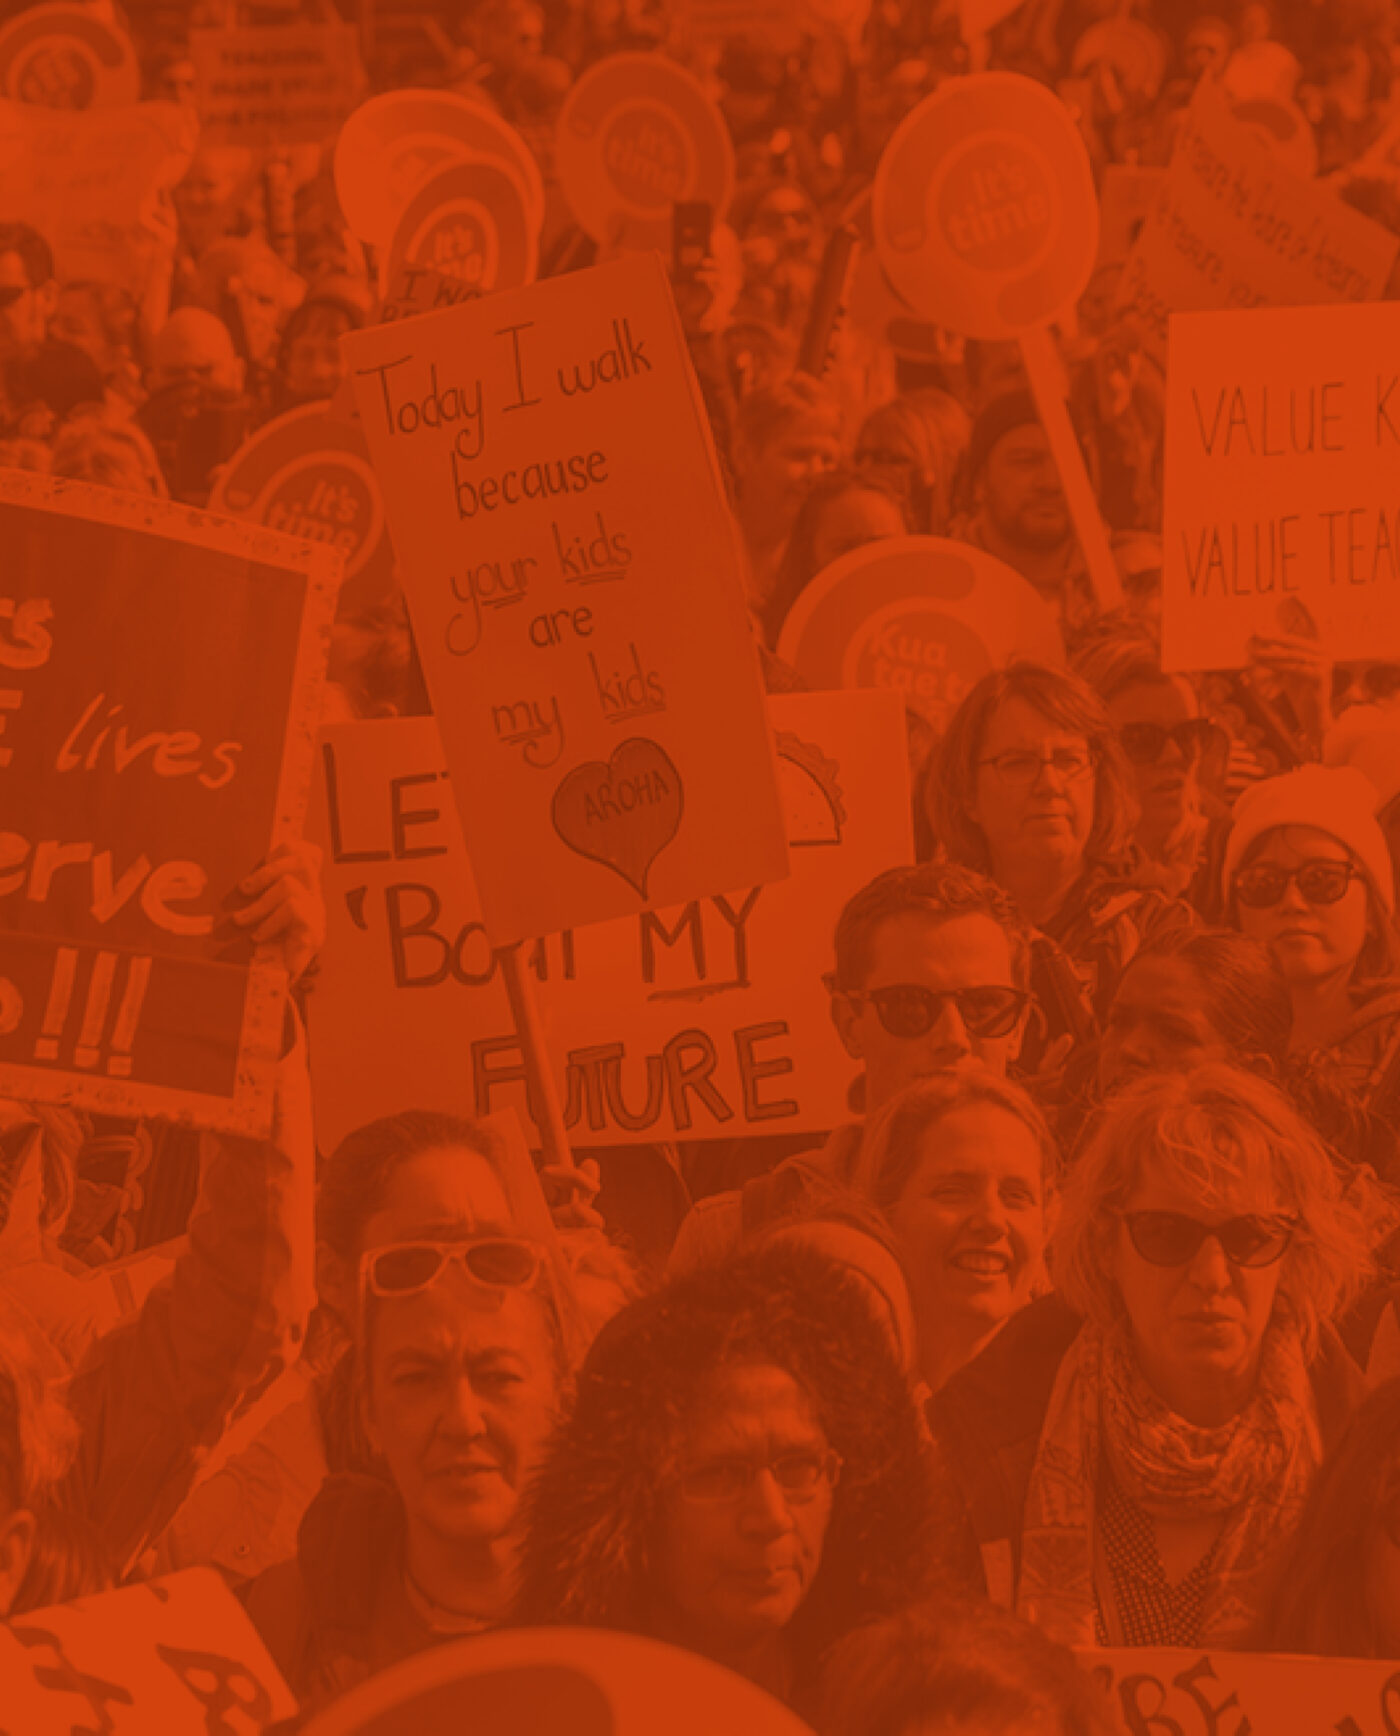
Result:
[{"x": 1083, "y": 1331}]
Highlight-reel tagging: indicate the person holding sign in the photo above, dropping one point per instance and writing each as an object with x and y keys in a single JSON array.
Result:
[{"x": 1132, "y": 1455}]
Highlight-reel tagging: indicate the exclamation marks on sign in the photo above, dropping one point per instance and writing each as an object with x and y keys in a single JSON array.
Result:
[
  {"x": 65, "y": 968},
  {"x": 128, "y": 1017},
  {"x": 88, "y": 1053}
]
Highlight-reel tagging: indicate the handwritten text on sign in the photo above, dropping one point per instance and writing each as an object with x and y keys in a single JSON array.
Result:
[
  {"x": 703, "y": 1020},
  {"x": 147, "y": 686},
  {"x": 1282, "y": 459},
  {"x": 571, "y": 571}
]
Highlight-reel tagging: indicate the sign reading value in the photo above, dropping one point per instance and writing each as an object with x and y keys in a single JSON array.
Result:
[
  {"x": 160, "y": 676},
  {"x": 573, "y": 578}
]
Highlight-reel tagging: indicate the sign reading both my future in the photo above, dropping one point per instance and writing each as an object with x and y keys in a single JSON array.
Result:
[{"x": 572, "y": 573}]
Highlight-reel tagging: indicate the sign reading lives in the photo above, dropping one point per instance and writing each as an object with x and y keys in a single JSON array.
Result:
[
  {"x": 160, "y": 678},
  {"x": 1283, "y": 435},
  {"x": 573, "y": 579}
]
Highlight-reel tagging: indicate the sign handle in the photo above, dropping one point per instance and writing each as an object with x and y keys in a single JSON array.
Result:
[
  {"x": 1045, "y": 370},
  {"x": 545, "y": 1108}
]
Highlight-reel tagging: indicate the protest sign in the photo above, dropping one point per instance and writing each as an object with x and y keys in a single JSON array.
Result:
[
  {"x": 637, "y": 134},
  {"x": 308, "y": 474},
  {"x": 1283, "y": 430},
  {"x": 1162, "y": 1691},
  {"x": 162, "y": 674},
  {"x": 919, "y": 616},
  {"x": 551, "y": 1680},
  {"x": 284, "y": 85},
  {"x": 175, "y": 1655},
  {"x": 572, "y": 576},
  {"x": 394, "y": 142},
  {"x": 89, "y": 182},
  {"x": 469, "y": 222},
  {"x": 67, "y": 57},
  {"x": 776, "y": 24},
  {"x": 707, "y": 1020},
  {"x": 1235, "y": 228}
]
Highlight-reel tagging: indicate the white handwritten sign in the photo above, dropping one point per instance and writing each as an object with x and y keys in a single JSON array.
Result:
[
  {"x": 291, "y": 84},
  {"x": 1157, "y": 1691},
  {"x": 1283, "y": 435},
  {"x": 1236, "y": 228},
  {"x": 704, "y": 1020},
  {"x": 176, "y": 1655},
  {"x": 572, "y": 574}
]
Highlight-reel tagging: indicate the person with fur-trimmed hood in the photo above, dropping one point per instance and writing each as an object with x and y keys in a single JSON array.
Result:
[{"x": 740, "y": 1472}]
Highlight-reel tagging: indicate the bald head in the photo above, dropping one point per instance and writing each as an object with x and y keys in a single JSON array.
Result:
[{"x": 194, "y": 348}]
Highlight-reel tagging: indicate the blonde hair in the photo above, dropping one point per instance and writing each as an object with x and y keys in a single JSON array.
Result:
[{"x": 1210, "y": 1129}]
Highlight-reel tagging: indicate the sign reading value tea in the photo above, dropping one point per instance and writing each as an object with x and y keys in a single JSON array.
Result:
[
  {"x": 1282, "y": 459},
  {"x": 573, "y": 578},
  {"x": 160, "y": 676}
]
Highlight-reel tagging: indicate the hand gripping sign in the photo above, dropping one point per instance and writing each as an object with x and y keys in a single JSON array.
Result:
[
  {"x": 637, "y": 135},
  {"x": 986, "y": 221},
  {"x": 557, "y": 1682},
  {"x": 67, "y": 57}
]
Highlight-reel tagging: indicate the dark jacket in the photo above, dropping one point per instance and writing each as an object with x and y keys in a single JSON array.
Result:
[{"x": 986, "y": 1425}]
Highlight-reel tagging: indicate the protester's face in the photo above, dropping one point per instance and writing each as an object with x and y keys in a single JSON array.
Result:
[
  {"x": 462, "y": 1395},
  {"x": 959, "y": 952},
  {"x": 851, "y": 520},
  {"x": 1158, "y": 1023},
  {"x": 735, "y": 1572},
  {"x": 313, "y": 367},
  {"x": 873, "y": 1267},
  {"x": 1197, "y": 1328},
  {"x": 777, "y": 476},
  {"x": 78, "y": 321},
  {"x": 204, "y": 202},
  {"x": 1021, "y": 487},
  {"x": 1169, "y": 788},
  {"x": 972, "y": 1216},
  {"x": 196, "y": 356},
  {"x": 24, "y": 310},
  {"x": 1309, "y": 942},
  {"x": 1207, "y": 49},
  {"x": 1050, "y": 817}
]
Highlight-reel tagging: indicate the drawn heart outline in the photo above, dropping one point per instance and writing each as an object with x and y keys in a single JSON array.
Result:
[{"x": 621, "y": 812}]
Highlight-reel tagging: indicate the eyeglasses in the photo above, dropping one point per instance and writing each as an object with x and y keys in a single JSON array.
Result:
[
  {"x": 1320, "y": 882},
  {"x": 1145, "y": 743},
  {"x": 910, "y": 1010},
  {"x": 801, "y": 1476},
  {"x": 1021, "y": 771},
  {"x": 499, "y": 1262},
  {"x": 1173, "y": 1239}
]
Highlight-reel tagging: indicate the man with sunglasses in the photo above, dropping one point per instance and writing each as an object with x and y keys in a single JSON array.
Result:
[{"x": 932, "y": 976}]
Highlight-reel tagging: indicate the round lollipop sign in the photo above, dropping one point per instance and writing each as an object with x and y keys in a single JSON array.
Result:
[
  {"x": 984, "y": 209},
  {"x": 67, "y": 57},
  {"x": 469, "y": 221}
]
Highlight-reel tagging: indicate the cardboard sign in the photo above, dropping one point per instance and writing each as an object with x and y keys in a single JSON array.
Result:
[
  {"x": 1192, "y": 1693},
  {"x": 395, "y": 142},
  {"x": 177, "y": 1655},
  {"x": 920, "y": 616},
  {"x": 776, "y": 24},
  {"x": 67, "y": 57},
  {"x": 573, "y": 581},
  {"x": 699, "y": 1021},
  {"x": 1283, "y": 434},
  {"x": 469, "y": 222},
  {"x": 1236, "y": 229},
  {"x": 308, "y": 474},
  {"x": 637, "y": 134},
  {"x": 160, "y": 674},
  {"x": 985, "y": 214},
  {"x": 288, "y": 85},
  {"x": 557, "y": 1682},
  {"x": 88, "y": 182}
]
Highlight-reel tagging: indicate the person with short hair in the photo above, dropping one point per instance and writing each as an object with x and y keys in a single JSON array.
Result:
[{"x": 785, "y": 437}]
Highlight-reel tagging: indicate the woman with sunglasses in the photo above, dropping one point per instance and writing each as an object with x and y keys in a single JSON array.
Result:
[
  {"x": 1031, "y": 787},
  {"x": 1131, "y": 1456},
  {"x": 962, "y": 1167},
  {"x": 740, "y": 1472},
  {"x": 1308, "y": 873}
]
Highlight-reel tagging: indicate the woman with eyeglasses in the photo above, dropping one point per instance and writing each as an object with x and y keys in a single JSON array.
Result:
[
  {"x": 1132, "y": 1455},
  {"x": 1031, "y": 787},
  {"x": 740, "y": 1473},
  {"x": 962, "y": 1166},
  {"x": 1308, "y": 873}
]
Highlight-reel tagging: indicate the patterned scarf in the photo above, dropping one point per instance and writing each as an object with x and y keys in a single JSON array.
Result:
[{"x": 1255, "y": 1470}]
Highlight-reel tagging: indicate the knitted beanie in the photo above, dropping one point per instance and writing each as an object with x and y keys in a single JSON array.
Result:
[{"x": 1337, "y": 800}]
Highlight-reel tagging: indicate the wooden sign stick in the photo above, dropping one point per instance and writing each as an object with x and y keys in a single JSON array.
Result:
[
  {"x": 1045, "y": 370},
  {"x": 543, "y": 1095}
]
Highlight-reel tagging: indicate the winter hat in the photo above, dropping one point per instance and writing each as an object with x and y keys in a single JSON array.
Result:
[
  {"x": 1338, "y": 800},
  {"x": 1367, "y": 737},
  {"x": 1001, "y": 417}
]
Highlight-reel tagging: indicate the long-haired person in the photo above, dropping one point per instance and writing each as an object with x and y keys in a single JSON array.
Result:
[{"x": 1131, "y": 1456}]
